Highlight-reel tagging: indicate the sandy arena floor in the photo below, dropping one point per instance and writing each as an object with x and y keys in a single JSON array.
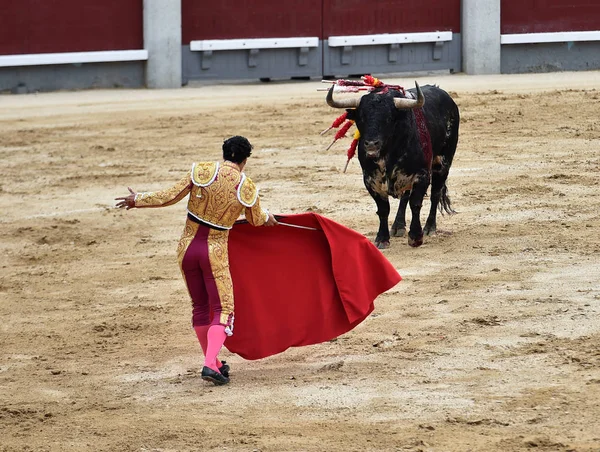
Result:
[{"x": 491, "y": 342}]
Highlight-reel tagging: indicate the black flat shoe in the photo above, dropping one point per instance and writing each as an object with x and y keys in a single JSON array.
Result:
[
  {"x": 224, "y": 369},
  {"x": 213, "y": 376}
]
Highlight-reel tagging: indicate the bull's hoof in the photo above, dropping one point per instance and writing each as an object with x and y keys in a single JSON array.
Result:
[
  {"x": 383, "y": 244},
  {"x": 429, "y": 230},
  {"x": 415, "y": 242},
  {"x": 398, "y": 232}
]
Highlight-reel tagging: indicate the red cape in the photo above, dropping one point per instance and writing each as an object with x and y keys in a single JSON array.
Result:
[{"x": 295, "y": 287}]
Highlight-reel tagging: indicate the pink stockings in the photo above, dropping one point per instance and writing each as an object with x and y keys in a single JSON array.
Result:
[{"x": 211, "y": 338}]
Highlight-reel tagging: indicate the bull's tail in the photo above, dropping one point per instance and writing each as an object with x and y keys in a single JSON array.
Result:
[{"x": 445, "y": 204}]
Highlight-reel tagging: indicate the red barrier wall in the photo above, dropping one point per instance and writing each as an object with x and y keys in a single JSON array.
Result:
[
  {"x": 235, "y": 19},
  {"x": 539, "y": 16},
  {"x": 359, "y": 17},
  {"x": 53, "y": 26}
]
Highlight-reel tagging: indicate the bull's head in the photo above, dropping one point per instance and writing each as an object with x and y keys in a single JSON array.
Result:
[{"x": 374, "y": 115}]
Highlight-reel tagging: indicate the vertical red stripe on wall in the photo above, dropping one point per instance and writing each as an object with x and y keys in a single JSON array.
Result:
[
  {"x": 359, "y": 17},
  {"x": 237, "y": 19},
  {"x": 54, "y": 26},
  {"x": 542, "y": 16}
]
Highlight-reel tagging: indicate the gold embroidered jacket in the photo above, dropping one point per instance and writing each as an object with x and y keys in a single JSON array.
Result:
[{"x": 219, "y": 194}]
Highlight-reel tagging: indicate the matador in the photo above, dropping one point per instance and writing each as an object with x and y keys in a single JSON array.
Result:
[{"x": 219, "y": 192}]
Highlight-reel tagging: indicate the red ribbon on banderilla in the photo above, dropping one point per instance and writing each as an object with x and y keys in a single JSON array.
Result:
[
  {"x": 352, "y": 149},
  {"x": 342, "y": 133}
]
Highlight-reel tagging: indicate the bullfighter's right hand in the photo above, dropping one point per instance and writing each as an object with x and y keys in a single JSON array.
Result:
[{"x": 127, "y": 201}]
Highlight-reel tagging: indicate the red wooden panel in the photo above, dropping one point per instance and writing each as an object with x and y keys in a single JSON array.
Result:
[
  {"x": 236, "y": 19},
  {"x": 359, "y": 17},
  {"x": 49, "y": 26},
  {"x": 539, "y": 16}
]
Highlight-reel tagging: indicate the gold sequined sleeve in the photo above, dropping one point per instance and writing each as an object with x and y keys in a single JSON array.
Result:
[
  {"x": 255, "y": 215},
  {"x": 166, "y": 197}
]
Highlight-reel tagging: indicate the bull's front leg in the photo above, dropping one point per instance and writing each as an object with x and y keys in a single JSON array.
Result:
[
  {"x": 399, "y": 225},
  {"x": 415, "y": 233},
  {"x": 382, "y": 240}
]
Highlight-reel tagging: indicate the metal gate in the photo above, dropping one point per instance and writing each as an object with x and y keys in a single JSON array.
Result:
[
  {"x": 44, "y": 44},
  {"x": 390, "y": 36},
  {"x": 264, "y": 39},
  {"x": 550, "y": 35}
]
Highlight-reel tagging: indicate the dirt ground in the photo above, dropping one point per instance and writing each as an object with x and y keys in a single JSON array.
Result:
[{"x": 490, "y": 343}]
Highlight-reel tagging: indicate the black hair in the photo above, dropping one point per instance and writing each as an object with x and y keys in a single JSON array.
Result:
[{"x": 236, "y": 149}]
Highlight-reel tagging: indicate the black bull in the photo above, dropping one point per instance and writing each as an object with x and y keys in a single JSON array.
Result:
[{"x": 392, "y": 158}]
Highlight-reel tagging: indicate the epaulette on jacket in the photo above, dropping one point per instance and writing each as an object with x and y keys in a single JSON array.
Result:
[
  {"x": 247, "y": 192},
  {"x": 204, "y": 173}
]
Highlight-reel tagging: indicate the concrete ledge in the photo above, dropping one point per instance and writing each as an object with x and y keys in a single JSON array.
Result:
[
  {"x": 259, "y": 43},
  {"x": 43, "y": 78},
  {"x": 394, "y": 38},
  {"x": 536, "y": 38},
  {"x": 41, "y": 59}
]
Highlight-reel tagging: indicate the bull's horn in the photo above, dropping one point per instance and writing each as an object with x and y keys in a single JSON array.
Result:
[
  {"x": 346, "y": 103},
  {"x": 402, "y": 103}
]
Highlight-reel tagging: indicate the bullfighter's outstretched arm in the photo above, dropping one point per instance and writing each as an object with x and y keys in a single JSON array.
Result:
[
  {"x": 166, "y": 197},
  {"x": 161, "y": 198}
]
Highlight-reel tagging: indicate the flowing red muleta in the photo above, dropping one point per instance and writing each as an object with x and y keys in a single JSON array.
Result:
[{"x": 295, "y": 286}]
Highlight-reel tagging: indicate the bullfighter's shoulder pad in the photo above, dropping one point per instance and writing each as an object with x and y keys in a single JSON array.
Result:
[
  {"x": 247, "y": 192},
  {"x": 204, "y": 173}
]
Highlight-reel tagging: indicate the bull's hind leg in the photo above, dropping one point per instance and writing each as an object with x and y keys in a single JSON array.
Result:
[
  {"x": 440, "y": 169},
  {"x": 438, "y": 180},
  {"x": 399, "y": 226}
]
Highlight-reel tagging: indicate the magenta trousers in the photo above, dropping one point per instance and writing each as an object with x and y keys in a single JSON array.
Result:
[{"x": 200, "y": 280}]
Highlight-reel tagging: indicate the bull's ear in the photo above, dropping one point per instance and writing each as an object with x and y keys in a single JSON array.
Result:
[{"x": 351, "y": 114}]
